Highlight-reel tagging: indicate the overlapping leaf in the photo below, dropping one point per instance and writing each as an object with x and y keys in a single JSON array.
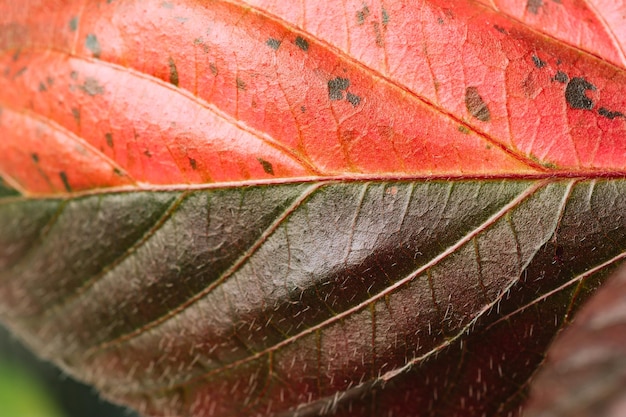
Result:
[{"x": 266, "y": 209}]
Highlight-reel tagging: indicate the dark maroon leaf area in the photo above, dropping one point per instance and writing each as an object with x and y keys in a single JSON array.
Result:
[
  {"x": 585, "y": 371},
  {"x": 362, "y": 298}
]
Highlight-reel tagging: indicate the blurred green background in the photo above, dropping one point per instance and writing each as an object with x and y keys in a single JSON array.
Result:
[{"x": 30, "y": 387}]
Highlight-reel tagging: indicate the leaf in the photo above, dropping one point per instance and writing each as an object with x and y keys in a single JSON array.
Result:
[
  {"x": 230, "y": 208},
  {"x": 585, "y": 371}
]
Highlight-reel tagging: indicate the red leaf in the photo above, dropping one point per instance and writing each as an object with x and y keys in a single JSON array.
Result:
[
  {"x": 223, "y": 92},
  {"x": 261, "y": 208}
]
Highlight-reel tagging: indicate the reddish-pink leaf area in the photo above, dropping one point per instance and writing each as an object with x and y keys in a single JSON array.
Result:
[{"x": 183, "y": 92}]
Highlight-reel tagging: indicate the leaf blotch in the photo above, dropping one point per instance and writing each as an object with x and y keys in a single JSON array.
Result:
[
  {"x": 501, "y": 29},
  {"x": 476, "y": 106},
  {"x": 302, "y": 43},
  {"x": 109, "y": 139},
  {"x": 35, "y": 158},
  {"x": 192, "y": 163},
  {"x": 575, "y": 94},
  {"x": 73, "y": 24},
  {"x": 76, "y": 115},
  {"x": 173, "y": 72},
  {"x": 241, "y": 85},
  {"x": 336, "y": 87},
  {"x": 362, "y": 14},
  {"x": 92, "y": 87},
  {"x": 267, "y": 166},
  {"x": 538, "y": 62},
  {"x": 533, "y": 6},
  {"x": 604, "y": 112},
  {"x": 42, "y": 87},
  {"x": 561, "y": 77},
  {"x": 378, "y": 35},
  {"x": 464, "y": 130},
  {"x": 353, "y": 99},
  {"x": 66, "y": 183},
  {"x": 92, "y": 43},
  {"x": 273, "y": 43},
  {"x": 385, "y": 17}
]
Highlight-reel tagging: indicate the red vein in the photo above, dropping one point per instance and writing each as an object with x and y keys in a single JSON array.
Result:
[{"x": 582, "y": 175}]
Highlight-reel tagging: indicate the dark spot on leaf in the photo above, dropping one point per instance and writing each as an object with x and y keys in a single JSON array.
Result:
[
  {"x": 561, "y": 77},
  {"x": 353, "y": 99},
  {"x": 273, "y": 43},
  {"x": 241, "y": 85},
  {"x": 302, "y": 109},
  {"x": 464, "y": 130},
  {"x": 42, "y": 87},
  {"x": 192, "y": 163},
  {"x": 336, "y": 87},
  {"x": 16, "y": 55},
  {"x": 267, "y": 167},
  {"x": 20, "y": 72},
  {"x": 91, "y": 42},
  {"x": 74, "y": 75},
  {"x": 213, "y": 69},
  {"x": 200, "y": 42},
  {"x": 147, "y": 153},
  {"x": 501, "y": 29},
  {"x": 76, "y": 115},
  {"x": 533, "y": 6},
  {"x": 575, "y": 94},
  {"x": 92, "y": 87},
  {"x": 66, "y": 183},
  {"x": 475, "y": 105},
  {"x": 609, "y": 114},
  {"x": 49, "y": 81},
  {"x": 302, "y": 43},
  {"x": 440, "y": 21},
  {"x": 378, "y": 34},
  {"x": 109, "y": 138},
  {"x": 385, "y": 17},
  {"x": 173, "y": 72},
  {"x": 74, "y": 24},
  {"x": 538, "y": 62},
  {"x": 35, "y": 157},
  {"x": 362, "y": 14},
  {"x": 118, "y": 172}
]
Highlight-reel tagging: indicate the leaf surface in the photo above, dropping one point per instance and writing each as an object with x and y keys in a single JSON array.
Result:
[
  {"x": 585, "y": 370},
  {"x": 227, "y": 208}
]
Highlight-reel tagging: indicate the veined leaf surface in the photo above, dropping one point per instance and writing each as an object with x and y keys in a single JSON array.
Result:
[{"x": 358, "y": 208}]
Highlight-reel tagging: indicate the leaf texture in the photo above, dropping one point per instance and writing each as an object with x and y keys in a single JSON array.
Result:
[
  {"x": 585, "y": 371},
  {"x": 221, "y": 310},
  {"x": 255, "y": 208}
]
